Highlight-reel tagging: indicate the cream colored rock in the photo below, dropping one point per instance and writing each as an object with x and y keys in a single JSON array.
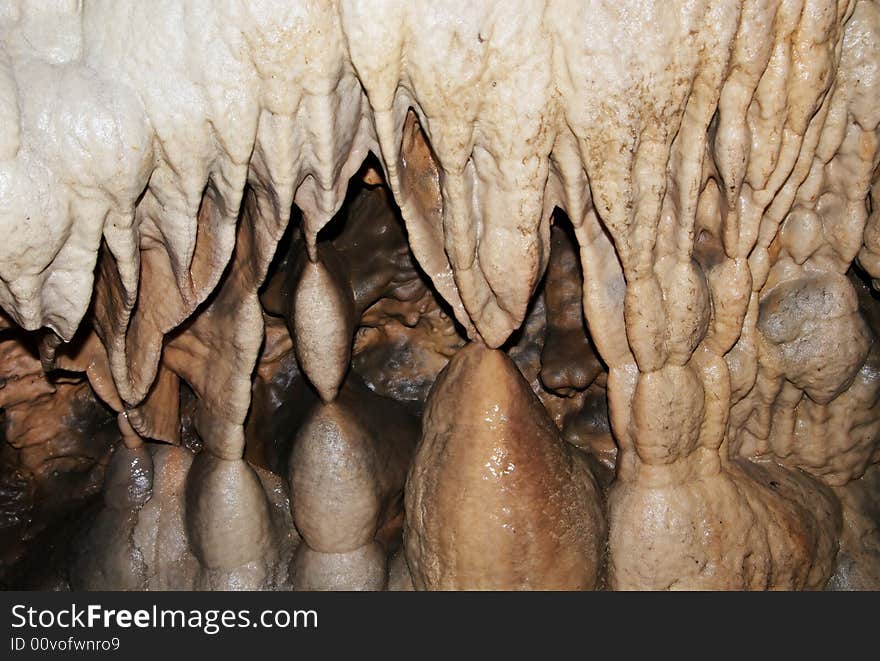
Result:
[
  {"x": 749, "y": 527},
  {"x": 717, "y": 160},
  {"x": 816, "y": 337}
]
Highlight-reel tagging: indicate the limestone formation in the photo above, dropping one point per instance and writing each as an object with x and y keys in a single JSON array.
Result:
[{"x": 368, "y": 294}]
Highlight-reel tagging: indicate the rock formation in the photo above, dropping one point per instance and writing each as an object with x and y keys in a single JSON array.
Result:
[{"x": 363, "y": 294}]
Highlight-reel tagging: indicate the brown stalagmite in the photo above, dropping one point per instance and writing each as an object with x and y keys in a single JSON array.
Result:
[{"x": 495, "y": 499}]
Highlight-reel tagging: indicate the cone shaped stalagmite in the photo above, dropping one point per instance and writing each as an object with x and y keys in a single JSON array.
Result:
[{"x": 495, "y": 499}]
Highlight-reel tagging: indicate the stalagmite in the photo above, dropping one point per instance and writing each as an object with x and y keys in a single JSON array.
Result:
[
  {"x": 495, "y": 499},
  {"x": 139, "y": 537},
  {"x": 127, "y": 487},
  {"x": 347, "y": 471},
  {"x": 630, "y": 248}
]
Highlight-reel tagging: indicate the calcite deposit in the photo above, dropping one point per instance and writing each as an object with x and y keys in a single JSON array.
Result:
[{"x": 367, "y": 294}]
